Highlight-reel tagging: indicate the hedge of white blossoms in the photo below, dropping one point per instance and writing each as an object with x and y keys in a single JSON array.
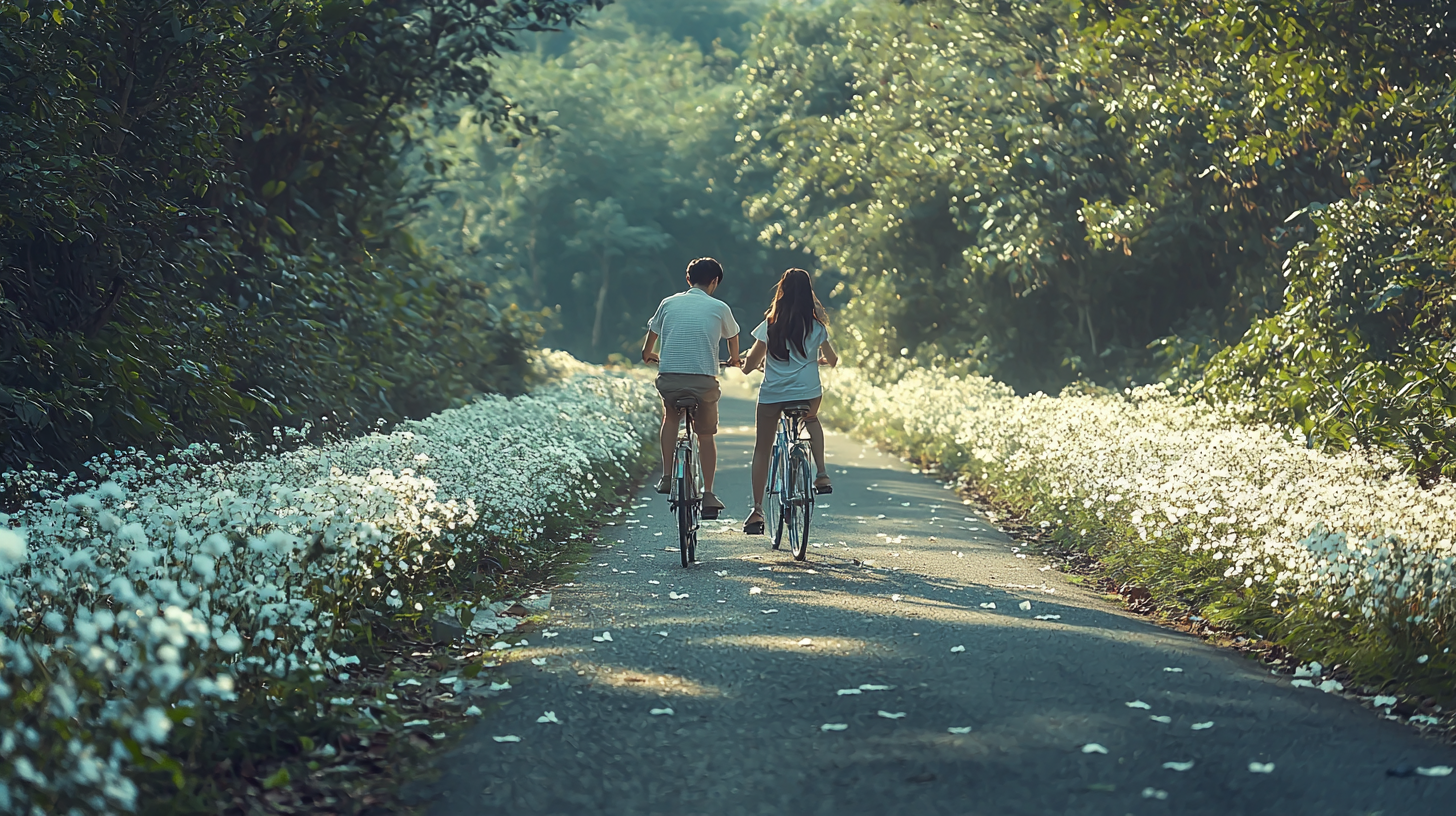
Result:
[
  {"x": 166, "y": 590},
  {"x": 1332, "y": 534}
]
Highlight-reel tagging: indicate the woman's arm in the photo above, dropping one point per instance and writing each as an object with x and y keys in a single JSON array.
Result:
[
  {"x": 827, "y": 356},
  {"x": 755, "y": 356}
]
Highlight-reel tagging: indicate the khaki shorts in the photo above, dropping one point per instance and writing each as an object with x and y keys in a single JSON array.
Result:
[{"x": 705, "y": 388}]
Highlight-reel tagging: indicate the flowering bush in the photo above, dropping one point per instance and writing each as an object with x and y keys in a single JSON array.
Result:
[
  {"x": 1343, "y": 556},
  {"x": 171, "y": 588}
]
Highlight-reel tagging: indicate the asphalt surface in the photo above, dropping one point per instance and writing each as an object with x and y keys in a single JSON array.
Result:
[{"x": 749, "y": 698}]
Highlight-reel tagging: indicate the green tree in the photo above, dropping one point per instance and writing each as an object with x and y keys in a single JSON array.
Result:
[
  {"x": 200, "y": 217},
  {"x": 625, "y": 178}
]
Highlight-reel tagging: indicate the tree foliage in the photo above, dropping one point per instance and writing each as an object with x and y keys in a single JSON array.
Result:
[
  {"x": 1123, "y": 190},
  {"x": 626, "y": 178},
  {"x": 198, "y": 217}
]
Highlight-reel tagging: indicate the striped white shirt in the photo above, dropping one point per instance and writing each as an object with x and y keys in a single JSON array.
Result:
[{"x": 689, "y": 326}]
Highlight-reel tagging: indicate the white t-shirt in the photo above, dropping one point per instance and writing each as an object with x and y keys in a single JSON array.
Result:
[
  {"x": 689, "y": 325},
  {"x": 796, "y": 378}
]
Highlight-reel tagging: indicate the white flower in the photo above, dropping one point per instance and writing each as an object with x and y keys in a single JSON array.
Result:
[
  {"x": 152, "y": 727},
  {"x": 13, "y": 551}
]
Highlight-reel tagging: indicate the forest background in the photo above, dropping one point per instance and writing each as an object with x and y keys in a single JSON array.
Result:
[{"x": 221, "y": 217}]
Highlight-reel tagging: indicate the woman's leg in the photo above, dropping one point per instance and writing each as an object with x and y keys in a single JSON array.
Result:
[
  {"x": 816, "y": 436},
  {"x": 766, "y": 424}
]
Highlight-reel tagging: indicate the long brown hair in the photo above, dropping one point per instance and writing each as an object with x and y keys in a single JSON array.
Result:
[{"x": 792, "y": 315}]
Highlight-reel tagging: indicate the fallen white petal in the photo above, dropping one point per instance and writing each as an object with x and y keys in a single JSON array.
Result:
[
  {"x": 507, "y": 738},
  {"x": 499, "y": 645},
  {"x": 1178, "y": 766},
  {"x": 549, "y": 634},
  {"x": 1301, "y": 683},
  {"x": 959, "y": 729},
  {"x": 1381, "y": 701},
  {"x": 663, "y": 634},
  {"x": 605, "y": 637},
  {"x": 500, "y": 686},
  {"x": 1435, "y": 770},
  {"x": 988, "y": 606},
  {"x": 806, "y": 642},
  {"x": 538, "y": 661},
  {"x": 650, "y": 581},
  {"x": 833, "y": 726},
  {"x": 754, "y": 590},
  {"x": 473, "y": 711},
  {"x": 414, "y": 723},
  {"x": 895, "y": 598},
  {"x": 1093, "y": 748},
  {"x": 769, "y": 611},
  {"x": 548, "y": 717},
  {"x": 957, "y": 649},
  {"x": 658, "y": 712},
  {"x": 721, "y": 573},
  {"x": 1138, "y": 704},
  {"x": 1261, "y": 767},
  {"x": 1025, "y": 606},
  {"x": 1154, "y": 793},
  {"x": 677, "y": 596},
  {"x": 1048, "y": 617},
  {"x": 891, "y": 715},
  {"x": 1172, "y": 669},
  {"x": 1160, "y": 718},
  {"x": 873, "y": 687},
  {"x": 843, "y": 692},
  {"x": 1203, "y": 726},
  {"x": 1331, "y": 686}
]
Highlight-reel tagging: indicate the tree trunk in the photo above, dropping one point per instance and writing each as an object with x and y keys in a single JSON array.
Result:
[
  {"x": 601, "y": 303},
  {"x": 535, "y": 267}
]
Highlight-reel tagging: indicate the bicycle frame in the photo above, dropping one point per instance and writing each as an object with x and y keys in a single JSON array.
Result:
[
  {"x": 686, "y": 478},
  {"x": 788, "y": 440}
]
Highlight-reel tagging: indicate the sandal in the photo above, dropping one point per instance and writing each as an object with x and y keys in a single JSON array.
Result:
[
  {"x": 822, "y": 485},
  {"x": 753, "y": 526}
]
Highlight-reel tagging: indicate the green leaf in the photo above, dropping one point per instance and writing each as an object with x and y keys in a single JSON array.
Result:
[{"x": 279, "y": 779}]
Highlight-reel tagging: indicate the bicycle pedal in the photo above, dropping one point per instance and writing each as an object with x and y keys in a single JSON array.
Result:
[{"x": 710, "y": 514}]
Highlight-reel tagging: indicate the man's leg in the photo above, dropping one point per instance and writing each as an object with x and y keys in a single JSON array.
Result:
[
  {"x": 671, "y": 416},
  {"x": 708, "y": 458}
]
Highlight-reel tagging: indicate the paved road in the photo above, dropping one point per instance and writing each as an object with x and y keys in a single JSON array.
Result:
[{"x": 749, "y": 702}]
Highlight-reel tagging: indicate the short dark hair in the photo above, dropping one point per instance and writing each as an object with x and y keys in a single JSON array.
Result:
[{"x": 703, "y": 271}]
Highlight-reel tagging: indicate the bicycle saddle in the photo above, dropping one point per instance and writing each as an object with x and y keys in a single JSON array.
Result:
[
  {"x": 686, "y": 402},
  {"x": 797, "y": 409}
]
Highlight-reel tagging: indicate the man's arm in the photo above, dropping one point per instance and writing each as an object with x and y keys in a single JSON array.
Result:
[
  {"x": 733, "y": 359},
  {"x": 648, "y": 355}
]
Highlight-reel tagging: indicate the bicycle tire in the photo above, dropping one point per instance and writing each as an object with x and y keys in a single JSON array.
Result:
[
  {"x": 801, "y": 503},
  {"x": 686, "y": 532},
  {"x": 773, "y": 501}
]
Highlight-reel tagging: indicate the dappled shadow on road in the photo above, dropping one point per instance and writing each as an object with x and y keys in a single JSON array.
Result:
[
  {"x": 749, "y": 706},
  {"x": 846, "y": 686}
]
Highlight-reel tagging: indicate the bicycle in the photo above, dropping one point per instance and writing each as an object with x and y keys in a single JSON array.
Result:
[
  {"x": 789, "y": 500},
  {"x": 685, "y": 499}
]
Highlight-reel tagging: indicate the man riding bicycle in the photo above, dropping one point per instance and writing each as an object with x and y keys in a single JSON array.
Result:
[{"x": 690, "y": 325}]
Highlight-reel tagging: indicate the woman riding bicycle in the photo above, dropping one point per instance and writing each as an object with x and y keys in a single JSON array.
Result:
[{"x": 791, "y": 343}]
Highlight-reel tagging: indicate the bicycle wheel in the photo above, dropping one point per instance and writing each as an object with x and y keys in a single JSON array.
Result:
[
  {"x": 800, "y": 503},
  {"x": 687, "y": 528},
  {"x": 773, "y": 500}
]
